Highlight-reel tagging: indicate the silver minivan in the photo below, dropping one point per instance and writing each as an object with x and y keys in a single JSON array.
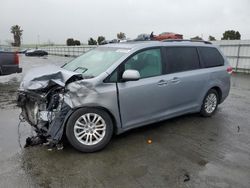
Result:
[{"x": 117, "y": 87}]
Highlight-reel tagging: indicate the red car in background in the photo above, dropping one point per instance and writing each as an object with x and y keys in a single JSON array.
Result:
[{"x": 167, "y": 35}]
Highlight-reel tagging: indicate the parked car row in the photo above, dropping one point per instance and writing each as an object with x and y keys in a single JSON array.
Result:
[
  {"x": 34, "y": 52},
  {"x": 146, "y": 37},
  {"x": 160, "y": 37}
]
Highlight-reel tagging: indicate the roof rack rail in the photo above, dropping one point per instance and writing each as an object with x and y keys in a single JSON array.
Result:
[{"x": 186, "y": 40}]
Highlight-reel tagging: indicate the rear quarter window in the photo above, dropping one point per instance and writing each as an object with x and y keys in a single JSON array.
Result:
[
  {"x": 179, "y": 59},
  {"x": 210, "y": 57}
]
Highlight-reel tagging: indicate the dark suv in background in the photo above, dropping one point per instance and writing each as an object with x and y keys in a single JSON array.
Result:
[{"x": 9, "y": 63}]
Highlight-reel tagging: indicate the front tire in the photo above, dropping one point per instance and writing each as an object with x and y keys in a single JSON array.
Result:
[
  {"x": 210, "y": 103},
  {"x": 89, "y": 129}
]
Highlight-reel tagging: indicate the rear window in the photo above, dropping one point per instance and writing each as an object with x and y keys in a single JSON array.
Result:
[
  {"x": 211, "y": 57},
  {"x": 180, "y": 59}
]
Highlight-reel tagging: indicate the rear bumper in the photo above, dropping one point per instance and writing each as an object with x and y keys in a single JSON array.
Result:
[
  {"x": 19, "y": 70},
  {"x": 225, "y": 91},
  {"x": 11, "y": 69}
]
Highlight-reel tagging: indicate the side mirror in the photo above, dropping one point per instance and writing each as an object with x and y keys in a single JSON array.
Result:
[{"x": 130, "y": 75}]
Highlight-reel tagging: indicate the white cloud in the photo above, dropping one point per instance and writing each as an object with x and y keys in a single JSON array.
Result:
[{"x": 57, "y": 20}]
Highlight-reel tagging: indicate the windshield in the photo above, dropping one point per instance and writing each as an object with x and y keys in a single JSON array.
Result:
[{"x": 96, "y": 61}]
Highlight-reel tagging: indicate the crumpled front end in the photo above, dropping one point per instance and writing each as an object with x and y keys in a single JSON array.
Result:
[
  {"x": 45, "y": 112},
  {"x": 41, "y": 99}
]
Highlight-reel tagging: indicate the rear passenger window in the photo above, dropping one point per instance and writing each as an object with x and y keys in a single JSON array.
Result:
[
  {"x": 180, "y": 59},
  {"x": 211, "y": 57}
]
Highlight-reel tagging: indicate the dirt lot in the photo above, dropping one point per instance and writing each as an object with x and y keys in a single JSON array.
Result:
[{"x": 188, "y": 151}]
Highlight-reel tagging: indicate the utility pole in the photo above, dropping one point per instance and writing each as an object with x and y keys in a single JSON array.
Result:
[{"x": 38, "y": 40}]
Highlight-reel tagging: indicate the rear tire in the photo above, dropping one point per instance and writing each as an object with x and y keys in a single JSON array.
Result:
[
  {"x": 210, "y": 103},
  {"x": 89, "y": 129}
]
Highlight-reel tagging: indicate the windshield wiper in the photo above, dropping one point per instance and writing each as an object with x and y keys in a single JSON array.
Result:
[{"x": 82, "y": 68}]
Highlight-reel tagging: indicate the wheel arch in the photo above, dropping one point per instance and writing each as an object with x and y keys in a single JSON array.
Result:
[
  {"x": 114, "y": 121},
  {"x": 216, "y": 88},
  {"x": 219, "y": 91},
  {"x": 203, "y": 110}
]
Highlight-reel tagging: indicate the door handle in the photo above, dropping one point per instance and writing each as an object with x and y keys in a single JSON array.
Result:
[
  {"x": 162, "y": 83},
  {"x": 175, "y": 80}
]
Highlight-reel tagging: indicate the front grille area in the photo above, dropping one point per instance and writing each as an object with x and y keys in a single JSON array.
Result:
[{"x": 31, "y": 104}]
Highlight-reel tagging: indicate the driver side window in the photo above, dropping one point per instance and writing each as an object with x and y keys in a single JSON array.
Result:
[{"x": 147, "y": 63}]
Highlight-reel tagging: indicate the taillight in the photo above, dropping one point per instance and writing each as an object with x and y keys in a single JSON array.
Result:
[
  {"x": 229, "y": 70},
  {"x": 16, "y": 59}
]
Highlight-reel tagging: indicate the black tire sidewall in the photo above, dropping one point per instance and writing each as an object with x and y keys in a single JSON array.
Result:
[
  {"x": 203, "y": 110},
  {"x": 70, "y": 130}
]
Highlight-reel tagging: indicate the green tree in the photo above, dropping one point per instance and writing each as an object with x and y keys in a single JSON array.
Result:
[
  {"x": 92, "y": 41},
  {"x": 17, "y": 34},
  {"x": 196, "y": 38},
  {"x": 100, "y": 39},
  {"x": 211, "y": 38},
  {"x": 231, "y": 35},
  {"x": 121, "y": 36},
  {"x": 77, "y": 43},
  {"x": 70, "y": 42}
]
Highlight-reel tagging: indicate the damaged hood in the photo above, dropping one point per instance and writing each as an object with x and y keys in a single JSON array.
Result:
[{"x": 42, "y": 77}]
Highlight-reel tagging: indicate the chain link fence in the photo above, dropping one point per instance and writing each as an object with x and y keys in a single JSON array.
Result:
[
  {"x": 237, "y": 52},
  {"x": 73, "y": 51}
]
